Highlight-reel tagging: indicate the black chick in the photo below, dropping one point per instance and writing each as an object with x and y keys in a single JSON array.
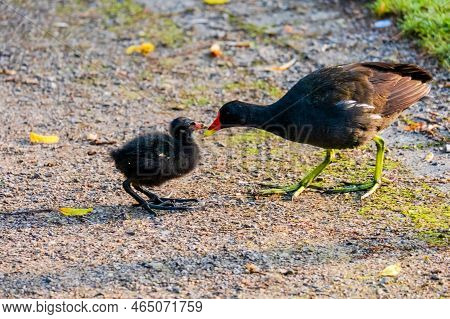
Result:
[{"x": 152, "y": 159}]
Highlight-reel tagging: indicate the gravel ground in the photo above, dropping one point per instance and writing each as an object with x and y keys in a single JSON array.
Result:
[{"x": 63, "y": 71}]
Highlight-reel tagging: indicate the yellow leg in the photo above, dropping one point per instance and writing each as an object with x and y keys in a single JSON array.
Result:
[
  {"x": 373, "y": 185},
  {"x": 299, "y": 187}
]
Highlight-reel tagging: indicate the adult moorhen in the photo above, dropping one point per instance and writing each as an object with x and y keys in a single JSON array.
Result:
[
  {"x": 336, "y": 107},
  {"x": 152, "y": 159}
]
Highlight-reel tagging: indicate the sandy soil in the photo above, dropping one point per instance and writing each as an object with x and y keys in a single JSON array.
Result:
[{"x": 64, "y": 71}]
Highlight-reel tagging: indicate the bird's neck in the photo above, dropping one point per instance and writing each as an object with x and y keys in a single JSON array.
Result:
[
  {"x": 277, "y": 119},
  {"x": 258, "y": 116}
]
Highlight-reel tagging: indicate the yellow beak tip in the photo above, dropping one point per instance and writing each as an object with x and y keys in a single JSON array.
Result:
[{"x": 209, "y": 132}]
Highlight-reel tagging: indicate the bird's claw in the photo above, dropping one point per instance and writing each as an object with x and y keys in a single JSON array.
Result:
[
  {"x": 180, "y": 200},
  {"x": 371, "y": 187},
  {"x": 295, "y": 190}
]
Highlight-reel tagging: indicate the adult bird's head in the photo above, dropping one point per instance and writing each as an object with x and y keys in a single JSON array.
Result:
[{"x": 231, "y": 114}]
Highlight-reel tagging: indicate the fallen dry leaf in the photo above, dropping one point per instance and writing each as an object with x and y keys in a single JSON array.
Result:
[
  {"x": 91, "y": 137},
  {"x": 429, "y": 157},
  {"x": 213, "y": 2},
  {"x": 391, "y": 271},
  {"x": 416, "y": 126},
  {"x": 31, "y": 81},
  {"x": 69, "y": 211},
  {"x": 7, "y": 72},
  {"x": 244, "y": 44},
  {"x": 44, "y": 139},
  {"x": 215, "y": 50},
  {"x": 282, "y": 67},
  {"x": 22, "y": 80},
  {"x": 252, "y": 268},
  {"x": 132, "y": 49},
  {"x": 288, "y": 29},
  {"x": 421, "y": 127},
  {"x": 144, "y": 48},
  {"x": 103, "y": 142}
]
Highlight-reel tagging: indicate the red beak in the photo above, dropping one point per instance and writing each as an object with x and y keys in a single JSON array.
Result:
[{"x": 214, "y": 127}]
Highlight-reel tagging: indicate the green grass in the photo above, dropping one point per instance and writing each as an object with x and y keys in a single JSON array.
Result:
[{"x": 426, "y": 20}]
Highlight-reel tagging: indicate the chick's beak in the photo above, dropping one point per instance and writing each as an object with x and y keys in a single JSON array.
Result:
[
  {"x": 198, "y": 126},
  {"x": 214, "y": 127}
]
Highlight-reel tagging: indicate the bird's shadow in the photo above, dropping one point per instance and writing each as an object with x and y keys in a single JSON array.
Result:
[{"x": 31, "y": 218}]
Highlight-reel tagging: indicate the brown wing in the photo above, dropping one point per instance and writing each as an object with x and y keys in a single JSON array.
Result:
[{"x": 395, "y": 86}]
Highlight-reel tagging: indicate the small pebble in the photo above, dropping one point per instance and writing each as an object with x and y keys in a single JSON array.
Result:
[
  {"x": 286, "y": 272},
  {"x": 382, "y": 24},
  {"x": 434, "y": 277},
  {"x": 60, "y": 25}
]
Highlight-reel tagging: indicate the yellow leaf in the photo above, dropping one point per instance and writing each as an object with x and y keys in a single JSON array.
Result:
[
  {"x": 213, "y": 2},
  {"x": 391, "y": 271},
  {"x": 132, "y": 49},
  {"x": 416, "y": 126},
  {"x": 252, "y": 268},
  {"x": 282, "y": 67},
  {"x": 7, "y": 72},
  {"x": 68, "y": 211},
  {"x": 288, "y": 29},
  {"x": 49, "y": 139},
  {"x": 429, "y": 157},
  {"x": 144, "y": 48},
  {"x": 215, "y": 50}
]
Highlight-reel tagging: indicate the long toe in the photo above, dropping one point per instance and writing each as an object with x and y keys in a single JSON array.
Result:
[
  {"x": 149, "y": 210},
  {"x": 180, "y": 200},
  {"x": 272, "y": 191},
  {"x": 296, "y": 189},
  {"x": 371, "y": 186},
  {"x": 298, "y": 192},
  {"x": 165, "y": 203},
  {"x": 316, "y": 187},
  {"x": 269, "y": 185},
  {"x": 280, "y": 190},
  {"x": 170, "y": 208},
  {"x": 371, "y": 190}
]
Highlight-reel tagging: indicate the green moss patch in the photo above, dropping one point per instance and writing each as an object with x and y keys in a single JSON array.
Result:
[
  {"x": 251, "y": 29},
  {"x": 128, "y": 18},
  {"x": 423, "y": 205}
]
